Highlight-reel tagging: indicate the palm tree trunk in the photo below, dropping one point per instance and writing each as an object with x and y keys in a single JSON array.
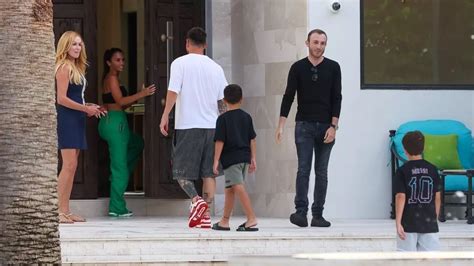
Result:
[{"x": 28, "y": 150}]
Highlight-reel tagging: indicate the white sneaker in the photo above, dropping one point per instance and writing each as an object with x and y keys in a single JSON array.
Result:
[{"x": 127, "y": 214}]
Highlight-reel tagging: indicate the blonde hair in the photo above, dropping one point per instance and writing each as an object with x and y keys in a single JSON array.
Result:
[{"x": 77, "y": 67}]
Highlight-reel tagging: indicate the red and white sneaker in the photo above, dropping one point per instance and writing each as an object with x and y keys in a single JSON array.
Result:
[
  {"x": 205, "y": 222},
  {"x": 198, "y": 209}
]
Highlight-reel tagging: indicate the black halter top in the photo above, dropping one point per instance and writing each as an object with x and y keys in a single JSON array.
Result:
[{"x": 107, "y": 97}]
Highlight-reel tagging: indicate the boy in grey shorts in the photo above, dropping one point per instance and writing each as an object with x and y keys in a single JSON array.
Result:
[
  {"x": 417, "y": 199},
  {"x": 235, "y": 147}
]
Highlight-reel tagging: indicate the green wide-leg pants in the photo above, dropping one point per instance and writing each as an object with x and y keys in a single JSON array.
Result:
[{"x": 125, "y": 148}]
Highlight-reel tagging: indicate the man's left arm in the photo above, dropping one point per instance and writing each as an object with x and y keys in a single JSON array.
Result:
[
  {"x": 331, "y": 132},
  {"x": 336, "y": 94},
  {"x": 336, "y": 99}
]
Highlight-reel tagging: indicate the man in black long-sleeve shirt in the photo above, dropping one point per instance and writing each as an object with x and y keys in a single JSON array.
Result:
[{"x": 317, "y": 82}]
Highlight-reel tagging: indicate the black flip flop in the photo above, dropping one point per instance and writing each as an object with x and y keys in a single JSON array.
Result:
[
  {"x": 217, "y": 227},
  {"x": 243, "y": 228}
]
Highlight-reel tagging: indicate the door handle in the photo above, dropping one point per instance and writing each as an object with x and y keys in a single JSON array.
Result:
[
  {"x": 168, "y": 38},
  {"x": 164, "y": 37}
]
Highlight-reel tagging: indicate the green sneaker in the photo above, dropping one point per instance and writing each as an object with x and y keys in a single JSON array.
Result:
[{"x": 127, "y": 214}]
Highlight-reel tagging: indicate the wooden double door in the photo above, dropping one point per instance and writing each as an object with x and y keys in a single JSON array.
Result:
[{"x": 166, "y": 24}]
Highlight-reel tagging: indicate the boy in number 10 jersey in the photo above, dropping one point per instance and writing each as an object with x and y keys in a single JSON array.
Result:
[{"x": 417, "y": 199}]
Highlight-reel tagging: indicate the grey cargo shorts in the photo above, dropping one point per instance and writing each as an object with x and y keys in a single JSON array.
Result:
[{"x": 193, "y": 153}]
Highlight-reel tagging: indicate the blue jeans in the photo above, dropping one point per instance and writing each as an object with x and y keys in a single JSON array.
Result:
[{"x": 309, "y": 136}]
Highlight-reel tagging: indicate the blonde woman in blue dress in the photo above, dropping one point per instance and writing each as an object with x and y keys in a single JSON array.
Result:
[{"x": 71, "y": 63}]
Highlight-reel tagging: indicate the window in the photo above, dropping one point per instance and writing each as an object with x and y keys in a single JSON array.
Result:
[{"x": 417, "y": 44}]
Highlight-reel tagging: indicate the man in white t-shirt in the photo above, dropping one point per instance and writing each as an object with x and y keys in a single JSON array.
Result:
[{"x": 197, "y": 87}]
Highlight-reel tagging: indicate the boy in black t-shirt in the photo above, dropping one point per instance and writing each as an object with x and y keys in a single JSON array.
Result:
[
  {"x": 417, "y": 199},
  {"x": 235, "y": 146}
]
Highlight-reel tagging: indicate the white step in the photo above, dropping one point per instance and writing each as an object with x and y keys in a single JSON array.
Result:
[
  {"x": 165, "y": 239},
  {"x": 438, "y": 258}
]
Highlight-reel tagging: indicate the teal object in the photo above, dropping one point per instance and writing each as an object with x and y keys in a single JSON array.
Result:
[{"x": 465, "y": 145}]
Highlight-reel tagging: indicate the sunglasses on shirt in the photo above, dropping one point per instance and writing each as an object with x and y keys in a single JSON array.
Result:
[{"x": 314, "y": 77}]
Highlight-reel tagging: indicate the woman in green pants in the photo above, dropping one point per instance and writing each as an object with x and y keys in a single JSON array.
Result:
[{"x": 125, "y": 146}]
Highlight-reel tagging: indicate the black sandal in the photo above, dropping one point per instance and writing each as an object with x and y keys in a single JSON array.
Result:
[
  {"x": 243, "y": 228},
  {"x": 217, "y": 227}
]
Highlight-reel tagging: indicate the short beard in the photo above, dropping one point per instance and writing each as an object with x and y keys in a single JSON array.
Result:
[{"x": 313, "y": 55}]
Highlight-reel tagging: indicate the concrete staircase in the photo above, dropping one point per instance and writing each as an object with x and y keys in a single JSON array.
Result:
[{"x": 165, "y": 239}]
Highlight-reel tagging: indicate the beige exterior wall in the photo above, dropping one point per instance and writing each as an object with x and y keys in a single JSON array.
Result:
[{"x": 256, "y": 42}]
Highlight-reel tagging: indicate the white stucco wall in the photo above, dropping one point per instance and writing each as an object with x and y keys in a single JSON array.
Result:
[{"x": 359, "y": 174}]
